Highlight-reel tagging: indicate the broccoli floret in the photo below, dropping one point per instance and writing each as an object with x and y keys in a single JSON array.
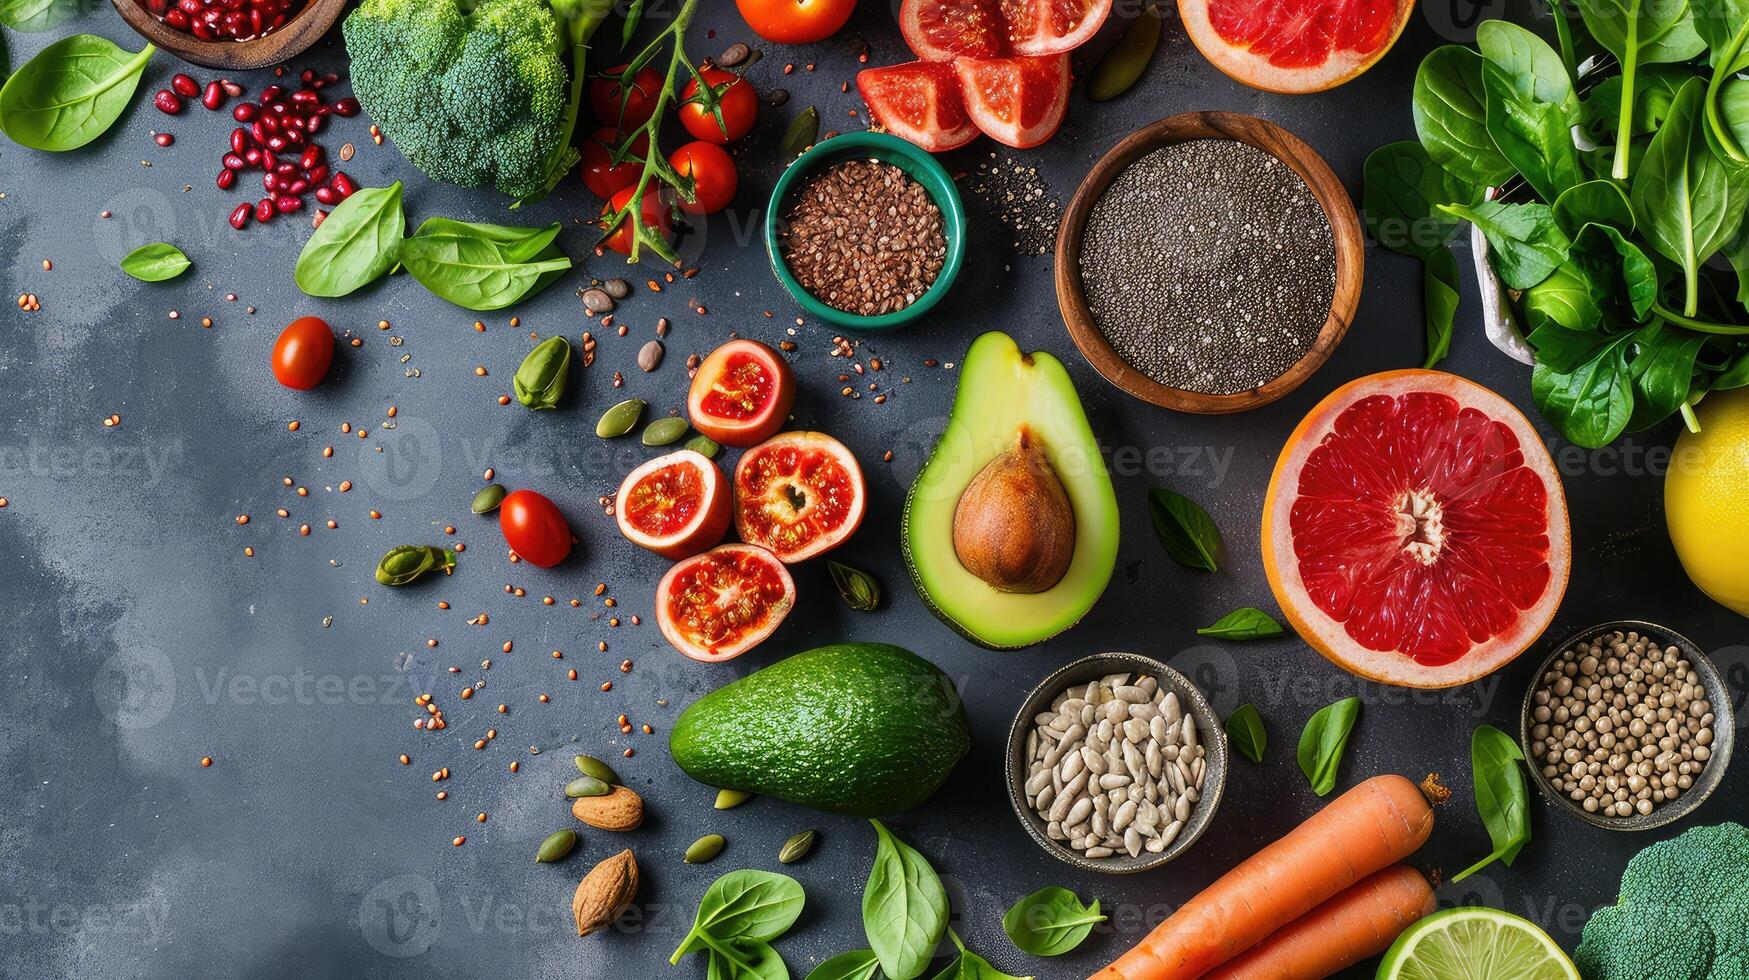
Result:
[
  {"x": 472, "y": 96},
  {"x": 1683, "y": 913}
]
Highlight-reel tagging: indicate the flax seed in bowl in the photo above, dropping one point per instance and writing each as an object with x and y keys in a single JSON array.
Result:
[{"x": 866, "y": 231}]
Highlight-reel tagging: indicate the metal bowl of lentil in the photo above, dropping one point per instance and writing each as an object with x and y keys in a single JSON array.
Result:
[
  {"x": 1338, "y": 210},
  {"x": 1718, "y": 696},
  {"x": 1210, "y": 735},
  {"x": 917, "y": 164}
]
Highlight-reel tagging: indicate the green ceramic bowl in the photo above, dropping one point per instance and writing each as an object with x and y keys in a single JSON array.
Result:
[{"x": 887, "y": 149}]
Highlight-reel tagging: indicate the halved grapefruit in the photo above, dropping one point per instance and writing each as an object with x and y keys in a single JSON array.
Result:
[
  {"x": 1017, "y": 101},
  {"x": 1294, "y": 46},
  {"x": 940, "y": 30},
  {"x": 1415, "y": 530},
  {"x": 918, "y": 101},
  {"x": 1039, "y": 27}
]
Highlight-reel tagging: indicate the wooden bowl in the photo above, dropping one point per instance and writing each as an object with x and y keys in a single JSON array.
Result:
[
  {"x": 274, "y": 48},
  {"x": 1271, "y": 139}
]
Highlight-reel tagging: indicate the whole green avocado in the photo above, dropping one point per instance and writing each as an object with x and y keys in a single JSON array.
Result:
[{"x": 860, "y": 728}]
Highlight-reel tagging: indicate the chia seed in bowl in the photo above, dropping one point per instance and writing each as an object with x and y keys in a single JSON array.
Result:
[{"x": 1209, "y": 265}]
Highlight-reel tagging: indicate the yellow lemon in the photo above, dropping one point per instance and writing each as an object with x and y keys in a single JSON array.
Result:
[{"x": 1706, "y": 499}]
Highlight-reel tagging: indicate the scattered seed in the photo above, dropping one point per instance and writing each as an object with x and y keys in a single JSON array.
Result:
[
  {"x": 728, "y": 799},
  {"x": 664, "y": 431},
  {"x": 734, "y": 55},
  {"x": 650, "y": 355},
  {"x": 620, "y": 419},
  {"x": 617, "y": 288},
  {"x": 797, "y": 847},
  {"x": 557, "y": 846},
  {"x": 591, "y": 766},
  {"x": 597, "y": 301},
  {"x": 705, "y": 849}
]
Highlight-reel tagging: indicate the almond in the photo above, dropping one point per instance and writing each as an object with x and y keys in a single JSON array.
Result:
[
  {"x": 605, "y": 892},
  {"x": 621, "y": 809}
]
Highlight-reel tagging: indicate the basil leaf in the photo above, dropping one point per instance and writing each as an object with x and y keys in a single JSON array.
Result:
[
  {"x": 1050, "y": 922},
  {"x": 1403, "y": 191},
  {"x": 155, "y": 262},
  {"x": 1245, "y": 730},
  {"x": 1501, "y": 796},
  {"x": 1451, "y": 119},
  {"x": 357, "y": 244},
  {"x": 1323, "y": 742},
  {"x": 38, "y": 15},
  {"x": 859, "y": 964},
  {"x": 1185, "y": 530},
  {"x": 904, "y": 908},
  {"x": 482, "y": 267},
  {"x": 1662, "y": 371},
  {"x": 1244, "y": 623},
  {"x": 743, "y": 907},
  {"x": 1593, "y": 202},
  {"x": 1686, "y": 200},
  {"x": 70, "y": 93},
  {"x": 1524, "y": 243},
  {"x": 1439, "y": 299}
]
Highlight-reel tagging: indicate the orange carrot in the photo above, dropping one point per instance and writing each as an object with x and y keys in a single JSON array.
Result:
[
  {"x": 1361, "y": 922},
  {"x": 1370, "y": 827}
]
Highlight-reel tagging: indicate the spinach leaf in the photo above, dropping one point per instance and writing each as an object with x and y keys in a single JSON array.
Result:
[
  {"x": 1449, "y": 105},
  {"x": 357, "y": 244},
  {"x": 1594, "y": 201},
  {"x": 1246, "y": 733},
  {"x": 1524, "y": 242},
  {"x": 1580, "y": 383},
  {"x": 1185, "y": 530},
  {"x": 1655, "y": 88},
  {"x": 38, "y": 15},
  {"x": 155, "y": 262},
  {"x": 904, "y": 908},
  {"x": 70, "y": 93},
  {"x": 1534, "y": 70},
  {"x": 1662, "y": 372},
  {"x": 482, "y": 267},
  {"x": 1401, "y": 197},
  {"x": 1535, "y": 136},
  {"x": 1626, "y": 278},
  {"x": 1245, "y": 623},
  {"x": 743, "y": 907},
  {"x": 1439, "y": 299},
  {"x": 746, "y": 960},
  {"x": 1501, "y": 796},
  {"x": 1323, "y": 742},
  {"x": 1724, "y": 25},
  {"x": 1639, "y": 32},
  {"x": 520, "y": 244},
  {"x": 859, "y": 964},
  {"x": 1736, "y": 249},
  {"x": 1050, "y": 922},
  {"x": 1735, "y": 374},
  {"x": 1568, "y": 298},
  {"x": 971, "y": 966},
  {"x": 1687, "y": 201}
]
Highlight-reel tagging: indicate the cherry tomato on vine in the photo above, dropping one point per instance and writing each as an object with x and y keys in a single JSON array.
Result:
[
  {"x": 713, "y": 176},
  {"x": 795, "y": 21},
  {"x": 303, "y": 352},
  {"x": 606, "y": 98},
  {"x": 534, "y": 528},
  {"x": 600, "y": 174},
  {"x": 738, "y": 102},
  {"x": 655, "y": 216}
]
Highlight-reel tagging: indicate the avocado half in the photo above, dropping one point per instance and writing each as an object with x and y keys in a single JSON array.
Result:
[
  {"x": 859, "y": 728},
  {"x": 1004, "y": 392}
]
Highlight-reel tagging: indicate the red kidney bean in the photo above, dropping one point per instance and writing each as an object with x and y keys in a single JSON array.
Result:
[
  {"x": 240, "y": 216},
  {"x": 272, "y": 93},
  {"x": 245, "y": 112},
  {"x": 347, "y": 107},
  {"x": 268, "y": 160},
  {"x": 214, "y": 96},
  {"x": 184, "y": 85},
  {"x": 232, "y": 89},
  {"x": 167, "y": 102},
  {"x": 163, "y": 139},
  {"x": 276, "y": 143},
  {"x": 298, "y": 185},
  {"x": 252, "y": 156},
  {"x": 312, "y": 155},
  {"x": 234, "y": 161},
  {"x": 227, "y": 179},
  {"x": 240, "y": 140}
]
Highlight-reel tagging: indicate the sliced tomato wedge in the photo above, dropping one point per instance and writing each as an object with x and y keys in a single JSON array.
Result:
[
  {"x": 741, "y": 394},
  {"x": 798, "y": 495},
  {"x": 940, "y": 30},
  {"x": 675, "y": 505},
  {"x": 1017, "y": 101},
  {"x": 919, "y": 101},
  {"x": 718, "y": 605},
  {"x": 1041, "y": 27}
]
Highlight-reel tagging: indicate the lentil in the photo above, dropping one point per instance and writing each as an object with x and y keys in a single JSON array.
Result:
[{"x": 865, "y": 238}]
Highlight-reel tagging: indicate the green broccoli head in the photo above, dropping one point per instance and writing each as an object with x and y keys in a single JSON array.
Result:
[
  {"x": 1684, "y": 912},
  {"x": 470, "y": 96}
]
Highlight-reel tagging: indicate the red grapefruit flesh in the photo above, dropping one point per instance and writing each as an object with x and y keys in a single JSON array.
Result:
[
  {"x": 1017, "y": 101},
  {"x": 918, "y": 101},
  {"x": 940, "y": 30},
  {"x": 741, "y": 394},
  {"x": 1415, "y": 531},
  {"x": 1040, "y": 27},
  {"x": 798, "y": 495},
  {"x": 1294, "y": 45},
  {"x": 718, "y": 605},
  {"x": 675, "y": 505}
]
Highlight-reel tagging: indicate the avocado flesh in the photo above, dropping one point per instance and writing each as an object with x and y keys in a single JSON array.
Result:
[
  {"x": 1001, "y": 391},
  {"x": 858, "y": 728}
]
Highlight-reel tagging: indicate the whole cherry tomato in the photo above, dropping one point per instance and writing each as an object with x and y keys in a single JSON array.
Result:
[
  {"x": 795, "y": 21},
  {"x": 600, "y": 174},
  {"x": 738, "y": 103},
  {"x": 534, "y": 528},
  {"x": 303, "y": 352},
  {"x": 607, "y": 98},
  {"x": 713, "y": 176},
  {"x": 655, "y": 216}
]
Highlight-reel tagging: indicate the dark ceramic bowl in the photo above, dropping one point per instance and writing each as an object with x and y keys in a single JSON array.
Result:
[
  {"x": 1210, "y": 734},
  {"x": 289, "y": 41}
]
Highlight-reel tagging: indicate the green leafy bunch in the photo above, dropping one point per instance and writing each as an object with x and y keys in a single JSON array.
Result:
[{"x": 1607, "y": 201}]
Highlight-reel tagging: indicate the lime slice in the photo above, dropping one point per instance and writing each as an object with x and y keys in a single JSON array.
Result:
[{"x": 1475, "y": 944}]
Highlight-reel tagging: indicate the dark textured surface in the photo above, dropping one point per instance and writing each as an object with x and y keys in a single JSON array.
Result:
[{"x": 140, "y": 639}]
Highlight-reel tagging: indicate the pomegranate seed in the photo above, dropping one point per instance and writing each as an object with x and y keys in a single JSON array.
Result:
[
  {"x": 305, "y": 97},
  {"x": 316, "y": 175},
  {"x": 264, "y": 210},
  {"x": 232, "y": 89},
  {"x": 234, "y": 162},
  {"x": 270, "y": 183},
  {"x": 308, "y": 76},
  {"x": 278, "y": 108},
  {"x": 252, "y": 156},
  {"x": 244, "y": 112},
  {"x": 263, "y": 127},
  {"x": 214, "y": 96},
  {"x": 163, "y": 139},
  {"x": 298, "y": 185},
  {"x": 342, "y": 184},
  {"x": 226, "y": 179},
  {"x": 177, "y": 19},
  {"x": 268, "y": 160},
  {"x": 184, "y": 85},
  {"x": 167, "y": 102},
  {"x": 347, "y": 107},
  {"x": 272, "y": 93},
  {"x": 239, "y": 140},
  {"x": 240, "y": 216},
  {"x": 327, "y": 195},
  {"x": 313, "y": 124},
  {"x": 276, "y": 143},
  {"x": 287, "y": 203}
]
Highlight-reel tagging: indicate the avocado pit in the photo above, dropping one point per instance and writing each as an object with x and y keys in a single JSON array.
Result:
[{"x": 1013, "y": 526}]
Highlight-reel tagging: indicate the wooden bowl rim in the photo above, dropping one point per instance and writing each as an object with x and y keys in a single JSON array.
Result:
[
  {"x": 289, "y": 41},
  {"x": 1267, "y": 136}
]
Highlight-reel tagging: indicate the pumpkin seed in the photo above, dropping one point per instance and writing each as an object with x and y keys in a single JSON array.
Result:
[
  {"x": 1124, "y": 64},
  {"x": 589, "y": 765},
  {"x": 557, "y": 846},
  {"x": 705, "y": 849},
  {"x": 620, "y": 419},
  {"x": 404, "y": 563},
  {"x": 488, "y": 499},
  {"x": 587, "y": 786},
  {"x": 664, "y": 431},
  {"x": 796, "y": 847},
  {"x": 803, "y": 130},
  {"x": 728, "y": 799},
  {"x": 704, "y": 445},
  {"x": 540, "y": 381}
]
